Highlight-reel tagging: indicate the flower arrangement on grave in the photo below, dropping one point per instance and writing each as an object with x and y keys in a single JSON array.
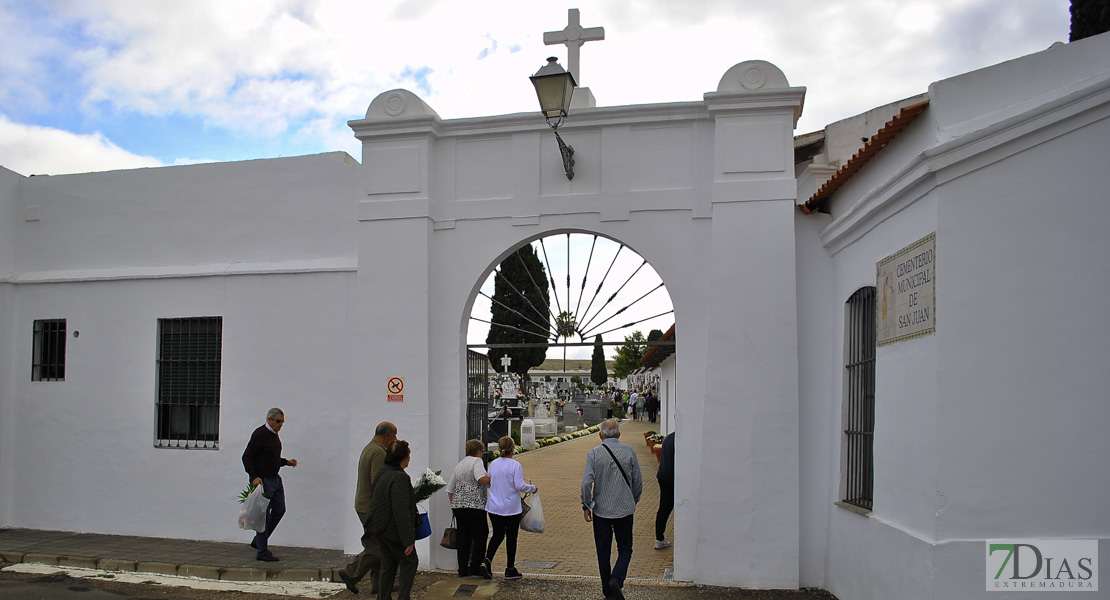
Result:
[
  {"x": 247, "y": 492},
  {"x": 429, "y": 483}
]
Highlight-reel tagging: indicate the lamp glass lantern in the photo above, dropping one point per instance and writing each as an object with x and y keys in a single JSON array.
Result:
[{"x": 554, "y": 88}]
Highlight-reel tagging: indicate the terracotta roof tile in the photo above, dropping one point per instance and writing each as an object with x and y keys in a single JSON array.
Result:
[{"x": 877, "y": 142}]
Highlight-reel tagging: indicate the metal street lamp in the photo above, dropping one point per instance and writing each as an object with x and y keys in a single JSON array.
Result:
[{"x": 554, "y": 88}]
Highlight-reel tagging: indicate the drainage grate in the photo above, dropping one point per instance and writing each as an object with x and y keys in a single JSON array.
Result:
[{"x": 465, "y": 590}]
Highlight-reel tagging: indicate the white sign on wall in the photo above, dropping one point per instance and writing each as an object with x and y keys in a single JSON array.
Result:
[{"x": 906, "y": 304}]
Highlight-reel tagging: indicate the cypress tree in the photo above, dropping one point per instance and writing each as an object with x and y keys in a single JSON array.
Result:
[
  {"x": 1089, "y": 17},
  {"x": 598, "y": 374},
  {"x": 520, "y": 311}
]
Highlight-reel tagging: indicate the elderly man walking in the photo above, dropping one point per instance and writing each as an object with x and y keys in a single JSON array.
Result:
[
  {"x": 261, "y": 461},
  {"x": 370, "y": 463},
  {"x": 611, "y": 487}
]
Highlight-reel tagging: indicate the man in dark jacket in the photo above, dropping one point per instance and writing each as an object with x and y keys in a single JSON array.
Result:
[
  {"x": 665, "y": 476},
  {"x": 262, "y": 459}
]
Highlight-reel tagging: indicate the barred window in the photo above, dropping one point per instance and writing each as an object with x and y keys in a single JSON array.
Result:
[
  {"x": 188, "y": 403},
  {"x": 48, "y": 360},
  {"x": 859, "y": 399}
]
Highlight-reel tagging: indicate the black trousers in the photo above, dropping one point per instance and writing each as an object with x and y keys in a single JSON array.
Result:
[
  {"x": 471, "y": 533},
  {"x": 666, "y": 505},
  {"x": 504, "y": 528}
]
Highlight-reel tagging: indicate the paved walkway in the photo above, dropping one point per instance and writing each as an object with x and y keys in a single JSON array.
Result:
[
  {"x": 559, "y": 563},
  {"x": 568, "y": 541},
  {"x": 565, "y": 549}
]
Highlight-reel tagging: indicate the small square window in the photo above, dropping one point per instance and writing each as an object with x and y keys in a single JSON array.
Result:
[{"x": 48, "y": 362}]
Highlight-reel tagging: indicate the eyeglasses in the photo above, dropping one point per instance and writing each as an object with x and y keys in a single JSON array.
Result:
[{"x": 279, "y": 420}]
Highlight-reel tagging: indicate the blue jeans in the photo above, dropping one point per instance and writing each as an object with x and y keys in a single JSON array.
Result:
[
  {"x": 604, "y": 532},
  {"x": 275, "y": 491}
]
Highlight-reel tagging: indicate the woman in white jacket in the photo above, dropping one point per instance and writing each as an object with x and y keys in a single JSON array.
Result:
[{"x": 506, "y": 484}]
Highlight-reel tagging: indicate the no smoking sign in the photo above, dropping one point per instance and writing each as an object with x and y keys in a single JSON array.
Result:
[{"x": 395, "y": 389}]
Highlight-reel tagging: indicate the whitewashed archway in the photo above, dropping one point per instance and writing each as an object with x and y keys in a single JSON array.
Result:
[{"x": 704, "y": 191}]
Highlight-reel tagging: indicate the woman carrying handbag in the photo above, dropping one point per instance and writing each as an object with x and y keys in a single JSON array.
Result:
[{"x": 467, "y": 491}]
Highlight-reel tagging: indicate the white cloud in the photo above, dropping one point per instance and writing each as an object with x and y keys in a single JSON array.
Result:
[
  {"x": 31, "y": 150},
  {"x": 275, "y": 68}
]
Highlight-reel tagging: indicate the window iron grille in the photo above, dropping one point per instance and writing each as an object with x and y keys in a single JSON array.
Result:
[
  {"x": 859, "y": 423},
  {"x": 188, "y": 395},
  {"x": 48, "y": 361}
]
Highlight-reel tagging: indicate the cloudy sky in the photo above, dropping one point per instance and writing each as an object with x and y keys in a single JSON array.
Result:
[{"x": 93, "y": 85}]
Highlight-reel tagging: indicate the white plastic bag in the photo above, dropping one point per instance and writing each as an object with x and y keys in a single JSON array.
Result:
[
  {"x": 253, "y": 513},
  {"x": 533, "y": 520}
]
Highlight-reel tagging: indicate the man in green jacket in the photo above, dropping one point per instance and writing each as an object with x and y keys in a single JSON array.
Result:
[{"x": 369, "y": 464}]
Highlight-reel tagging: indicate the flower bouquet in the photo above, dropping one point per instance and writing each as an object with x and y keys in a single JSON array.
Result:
[{"x": 429, "y": 483}]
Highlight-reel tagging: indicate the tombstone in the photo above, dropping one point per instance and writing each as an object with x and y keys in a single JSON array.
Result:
[
  {"x": 593, "y": 411},
  {"x": 528, "y": 434},
  {"x": 570, "y": 418}
]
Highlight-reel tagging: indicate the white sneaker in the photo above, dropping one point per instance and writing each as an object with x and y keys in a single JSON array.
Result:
[{"x": 660, "y": 544}]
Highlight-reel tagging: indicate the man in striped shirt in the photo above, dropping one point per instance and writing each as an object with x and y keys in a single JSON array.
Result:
[{"x": 611, "y": 487}]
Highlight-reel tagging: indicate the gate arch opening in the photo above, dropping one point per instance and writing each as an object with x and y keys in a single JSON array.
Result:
[{"x": 595, "y": 286}]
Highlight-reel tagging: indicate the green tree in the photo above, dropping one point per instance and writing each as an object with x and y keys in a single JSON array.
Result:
[
  {"x": 598, "y": 373},
  {"x": 1089, "y": 17},
  {"x": 655, "y": 334},
  {"x": 576, "y": 380},
  {"x": 627, "y": 358},
  {"x": 520, "y": 311}
]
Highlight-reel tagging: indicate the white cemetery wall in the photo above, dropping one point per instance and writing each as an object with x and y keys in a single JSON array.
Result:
[
  {"x": 819, "y": 325},
  {"x": 8, "y": 373},
  {"x": 983, "y": 429},
  {"x": 1022, "y": 358},
  {"x": 289, "y": 213},
  {"x": 282, "y": 346},
  {"x": 668, "y": 396},
  {"x": 9, "y": 216}
]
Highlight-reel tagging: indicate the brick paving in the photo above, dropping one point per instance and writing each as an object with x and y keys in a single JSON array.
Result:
[{"x": 568, "y": 540}]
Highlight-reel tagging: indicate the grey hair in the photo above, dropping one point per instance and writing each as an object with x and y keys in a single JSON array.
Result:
[
  {"x": 610, "y": 429},
  {"x": 273, "y": 412}
]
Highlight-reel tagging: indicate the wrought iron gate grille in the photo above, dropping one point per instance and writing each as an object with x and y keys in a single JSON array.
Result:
[{"x": 477, "y": 394}]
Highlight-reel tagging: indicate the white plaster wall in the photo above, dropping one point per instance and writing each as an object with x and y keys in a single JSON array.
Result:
[
  {"x": 190, "y": 217},
  {"x": 901, "y": 526},
  {"x": 9, "y": 213},
  {"x": 9, "y": 190},
  {"x": 668, "y": 395},
  {"x": 1022, "y": 360},
  {"x": 819, "y": 323},
  {"x": 7, "y": 420},
  {"x": 85, "y": 455},
  {"x": 989, "y": 428},
  {"x": 750, "y": 418}
]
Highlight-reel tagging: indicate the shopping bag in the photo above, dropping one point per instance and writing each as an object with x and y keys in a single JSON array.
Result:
[
  {"x": 533, "y": 521},
  {"x": 253, "y": 513},
  {"x": 423, "y": 526}
]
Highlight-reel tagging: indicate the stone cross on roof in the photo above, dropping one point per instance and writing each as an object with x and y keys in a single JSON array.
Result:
[
  {"x": 573, "y": 35},
  {"x": 506, "y": 361}
]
